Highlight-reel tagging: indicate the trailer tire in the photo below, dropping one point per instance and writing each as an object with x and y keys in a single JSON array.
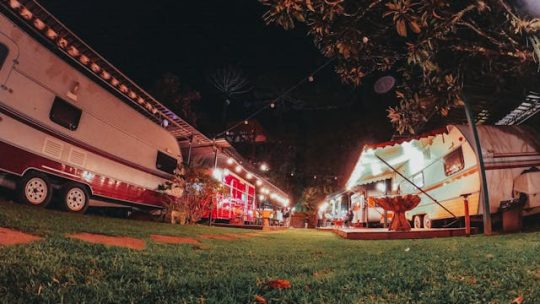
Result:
[
  {"x": 418, "y": 221},
  {"x": 428, "y": 223},
  {"x": 75, "y": 198},
  {"x": 35, "y": 189}
]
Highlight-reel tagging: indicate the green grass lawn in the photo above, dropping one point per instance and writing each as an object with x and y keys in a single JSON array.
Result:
[{"x": 321, "y": 267}]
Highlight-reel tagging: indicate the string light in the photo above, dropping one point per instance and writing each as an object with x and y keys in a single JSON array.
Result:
[{"x": 309, "y": 78}]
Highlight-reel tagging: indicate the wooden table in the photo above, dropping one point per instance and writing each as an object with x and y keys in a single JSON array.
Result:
[{"x": 399, "y": 205}]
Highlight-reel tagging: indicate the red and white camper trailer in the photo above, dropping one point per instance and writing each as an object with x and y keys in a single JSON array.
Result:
[{"x": 71, "y": 123}]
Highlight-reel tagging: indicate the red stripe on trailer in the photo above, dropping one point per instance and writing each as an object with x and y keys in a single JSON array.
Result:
[
  {"x": 17, "y": 161},
  {"x": 36, "y": 125}
]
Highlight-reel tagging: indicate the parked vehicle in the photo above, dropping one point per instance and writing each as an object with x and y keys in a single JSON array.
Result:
[
  {"x": 238, "y": 204},
  {"x": 443, "y": 165},
  {"x": 68, "y": 121}
]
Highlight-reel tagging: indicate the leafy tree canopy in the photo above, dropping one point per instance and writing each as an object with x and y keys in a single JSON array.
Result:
[
  {"x": 180, "y": 97},
  {"x": 441, "y": 49}
]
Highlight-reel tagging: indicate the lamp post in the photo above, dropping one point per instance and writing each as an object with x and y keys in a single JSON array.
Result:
[{"x": 486, "y": 216}]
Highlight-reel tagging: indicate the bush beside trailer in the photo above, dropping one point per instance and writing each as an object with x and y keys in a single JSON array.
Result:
[
  {"x": 443, "y": 164},
  {"x": 63, "y": 131}
]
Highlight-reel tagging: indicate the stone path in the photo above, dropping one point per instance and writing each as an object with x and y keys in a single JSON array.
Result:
[
  {"x": 119, "y": 241},
  {"x": 10, "y": 237}
]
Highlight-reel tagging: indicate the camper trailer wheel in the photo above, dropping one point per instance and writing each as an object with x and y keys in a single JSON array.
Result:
[
  {"x": 35, "y": 189},
  {"x": 427, "y": 222},
  {"x": 418, "y": 221},
  {"x": 75, "y": 198}
]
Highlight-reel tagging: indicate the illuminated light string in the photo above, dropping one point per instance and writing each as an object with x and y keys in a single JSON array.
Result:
[
  {"x": 264, "y": 192},
  {"x": 272, "y": 103},
  {"x": 91, "y": 64}
]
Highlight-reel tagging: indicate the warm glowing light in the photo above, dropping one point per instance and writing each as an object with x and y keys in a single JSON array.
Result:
[
  {"x": 414, "y": 155},
  {"x": 376, "y": 169},
  {"x": 217, "y": 174},
  {"x": 264, "y": 167},
  {"x": 381, "y": 186},
  {"x": 249, "y": 176},
  {"x": 262, "y": 198},
  {"x": 323, "y": 207},
  {"x": 238, "y": 169},
  {"x": 88, "y": 176},
  {"x": 258, "y": 182},
  {"x": 230, "y": 160}
]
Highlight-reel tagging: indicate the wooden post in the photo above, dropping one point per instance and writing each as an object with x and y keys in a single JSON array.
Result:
[
  {"x": 467, "y": 216},
  {"x": 215, "y": 167},
  {"x": 189, "y": 151},
  {"x": 486, "y": 215}
]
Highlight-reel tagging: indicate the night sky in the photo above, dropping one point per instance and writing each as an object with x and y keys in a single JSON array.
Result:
[{"x": 146, "y": 39}]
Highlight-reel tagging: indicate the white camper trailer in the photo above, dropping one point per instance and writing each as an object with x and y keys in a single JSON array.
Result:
[
  {"x": 443, "y": 165},
  {"x": 71, "y": 123}
]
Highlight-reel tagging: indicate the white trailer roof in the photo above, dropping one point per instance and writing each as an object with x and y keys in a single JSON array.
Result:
[
  {"x": 53, "y": 34},
  {"x": 496, "y": 141}
]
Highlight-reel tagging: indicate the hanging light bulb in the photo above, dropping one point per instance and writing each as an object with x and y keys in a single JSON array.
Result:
[
  {"x": 230, "y": 161},
  {"x": 310, "y": 78},
  {"x": 273, "y": 105},
  {"x": 246, "y": 122},
  {"x": 238, "y": 169}
]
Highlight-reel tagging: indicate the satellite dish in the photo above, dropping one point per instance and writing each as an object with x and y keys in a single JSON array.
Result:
[{"x": 384, "y": 84}]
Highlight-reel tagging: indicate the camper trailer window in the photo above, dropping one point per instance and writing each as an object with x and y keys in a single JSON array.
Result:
[
  {"x": 65, "y": 114},
  {"x": 3, "y": 54},
  {"x": 454, "y": 162},
  {"x": 166, "y": 163}
]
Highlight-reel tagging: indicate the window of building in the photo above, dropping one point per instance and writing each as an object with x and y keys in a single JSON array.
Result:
[
  {"x": 3, "y": 54},
  {"x": 454, "y": 162},
  {"x": 65, "y": 114},
  {"x": 166, "y": 163}
]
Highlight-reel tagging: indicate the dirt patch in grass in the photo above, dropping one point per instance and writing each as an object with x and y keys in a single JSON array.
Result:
[
  {"x": 166, "y": 239},
  {"x": 225, "y": 237},
  {"x": 10, "y": 237},
  {"x": 252, "y": 234},
  {"x": 119, "y": 241},
  {"x": 239, "y": 235}
]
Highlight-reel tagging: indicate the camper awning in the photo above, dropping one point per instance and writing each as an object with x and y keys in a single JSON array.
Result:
[
  {"x": 408, "y": 139},
  {"x": 397, "y": 153}
]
